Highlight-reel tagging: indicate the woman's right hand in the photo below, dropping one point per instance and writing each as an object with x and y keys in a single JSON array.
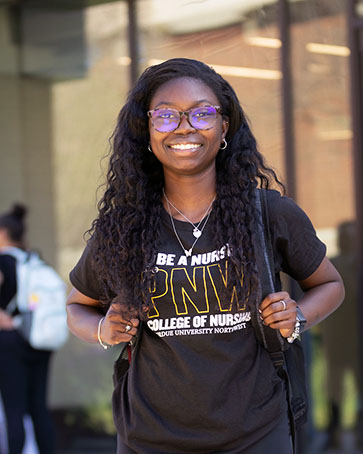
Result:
[
  {"x": 84, "y": 315},
  {"x": 116, "y": 327}
]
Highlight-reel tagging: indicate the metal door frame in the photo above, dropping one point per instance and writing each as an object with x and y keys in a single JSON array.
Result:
[{"x": 355, "y": 34}]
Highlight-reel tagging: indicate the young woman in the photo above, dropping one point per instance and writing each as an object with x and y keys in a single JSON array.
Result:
[
  {"x": 173, "y": 252},
  {"x": 23, "y": 370}
]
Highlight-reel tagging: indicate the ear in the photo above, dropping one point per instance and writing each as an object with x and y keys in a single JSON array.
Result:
[{"x": 225, "y": 126}]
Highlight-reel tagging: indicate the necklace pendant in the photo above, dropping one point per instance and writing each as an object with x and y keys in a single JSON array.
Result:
[
  {"x": 196, "y": 232},
  {"x": 189, "y": 252}
]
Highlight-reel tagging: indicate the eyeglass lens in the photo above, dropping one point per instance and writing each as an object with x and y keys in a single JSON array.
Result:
[{"x": 167, "y": 120}]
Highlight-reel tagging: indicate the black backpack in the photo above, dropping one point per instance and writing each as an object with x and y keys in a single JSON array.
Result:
[{"x": 287, "y": 358}]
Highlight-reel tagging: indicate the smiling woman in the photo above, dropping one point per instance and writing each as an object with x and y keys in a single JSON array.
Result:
[{"x": 173, "y": 260}]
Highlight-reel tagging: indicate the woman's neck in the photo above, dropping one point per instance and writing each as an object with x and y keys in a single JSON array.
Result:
[
  {"x": 6, "y": 241},
  {"x": 191, "y": 196}
]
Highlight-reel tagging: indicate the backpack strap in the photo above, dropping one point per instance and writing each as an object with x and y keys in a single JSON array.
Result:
[
  {"x": 270, "y": 338},
  {"x": 128, "y": 349},
  {"x": 127, "y": 354},
  {"x": 20, "y": 257},
  {"x": 289, "y": 358}
]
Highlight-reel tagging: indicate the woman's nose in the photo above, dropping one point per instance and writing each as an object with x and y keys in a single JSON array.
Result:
[{"x": 184, "y": 124}]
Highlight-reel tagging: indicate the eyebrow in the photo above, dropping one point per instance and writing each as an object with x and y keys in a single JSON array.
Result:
[{"x": 165, "y": 103}]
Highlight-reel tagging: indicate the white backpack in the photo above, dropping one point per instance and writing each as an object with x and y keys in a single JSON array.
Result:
[{"x": 41, "y": 301}]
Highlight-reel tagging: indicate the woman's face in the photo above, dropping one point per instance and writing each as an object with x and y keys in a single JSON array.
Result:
[{"x": 186, "y": 150}]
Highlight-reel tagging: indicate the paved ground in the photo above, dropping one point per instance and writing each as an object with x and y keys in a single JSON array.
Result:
[
  {"x": 347, "y": 445},
  {"x": 108, "y": 446}
]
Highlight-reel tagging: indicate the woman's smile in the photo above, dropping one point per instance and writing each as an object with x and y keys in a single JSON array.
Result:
[{"x": 185, "y": 146}]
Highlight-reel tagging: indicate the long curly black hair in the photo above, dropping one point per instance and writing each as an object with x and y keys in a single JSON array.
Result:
[{"x": 126, "y": 232}]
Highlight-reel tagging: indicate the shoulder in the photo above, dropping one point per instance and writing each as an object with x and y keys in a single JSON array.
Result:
[
  {"x": 84, "y": 276},
  {"x": 279, "y": 204},
  {"x": 283, "y": 210},
  {"x": 296, "y": 245}
]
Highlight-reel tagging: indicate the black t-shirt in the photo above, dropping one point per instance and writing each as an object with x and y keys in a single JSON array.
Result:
[
  {"x": 8, "y": 286},
  {"x": 200, "y": 382}
]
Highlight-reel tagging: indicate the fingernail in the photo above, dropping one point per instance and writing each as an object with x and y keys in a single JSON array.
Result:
[{"x": 260, "y": 311}]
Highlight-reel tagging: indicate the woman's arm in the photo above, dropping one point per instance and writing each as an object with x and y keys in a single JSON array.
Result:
[
  {"x": 84, "y": 315},
  {"x": 323, "y": 294}
]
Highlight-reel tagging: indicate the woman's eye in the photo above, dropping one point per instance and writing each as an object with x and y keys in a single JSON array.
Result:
[
  {"x": 202, "y": 114},
  {"x": 166, "y": 115}
]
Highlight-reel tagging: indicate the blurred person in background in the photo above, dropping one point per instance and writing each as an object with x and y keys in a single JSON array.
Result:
[
  {"x": 172, "y": 257},
  {"x": 340, "y": 339},
  {"x": 23, "y": 369}
]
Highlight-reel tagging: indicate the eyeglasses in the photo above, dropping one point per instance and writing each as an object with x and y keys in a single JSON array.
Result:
[{"x": 168, "y": 120}]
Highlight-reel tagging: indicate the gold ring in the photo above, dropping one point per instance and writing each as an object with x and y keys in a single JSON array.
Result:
[{"x": 284, "y": 304}]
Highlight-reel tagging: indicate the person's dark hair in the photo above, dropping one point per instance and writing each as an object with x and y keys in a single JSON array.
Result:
[
  {"x": 14, "y": 222},
  {"x": 126, "y": 233}
]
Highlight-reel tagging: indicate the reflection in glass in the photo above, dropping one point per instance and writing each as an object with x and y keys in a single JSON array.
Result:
[
  {"x": 323, "y": 146},
  {"x": 359, "y": 8},
  {"x": 320, "y": 65}
]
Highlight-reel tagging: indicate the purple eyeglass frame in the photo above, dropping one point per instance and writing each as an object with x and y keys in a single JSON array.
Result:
[{"x": 181, "y": 114}]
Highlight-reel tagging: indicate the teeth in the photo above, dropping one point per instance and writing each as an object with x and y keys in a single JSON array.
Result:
[{"x": 185, "y": 146}]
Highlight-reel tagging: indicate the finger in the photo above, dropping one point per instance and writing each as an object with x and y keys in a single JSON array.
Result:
[
  {"x": 279, "y": 312},
  {"x": 283, "y": 320},
  {"x": 276, "y": 317},
  {"x": 279, "y": 317},
  {"x": 123, "y": 309},
  {"x": 115, "y": 313},
  {"x": 286, "y": 332},
  {"x": 119, "y": 334},
  {"x": 116, "y": 330},
  {"x": 122, "y": 325},
  {"x": 272, "y": 298},
  {"x": 125, "y": 336},
  {"x": 286, "y": 328},
  {"x": 285, "y": 305},
  {"x": 135, "y": 322},
  {"x": 282, "y": 324},
  {"x": 127, "y": 328}
]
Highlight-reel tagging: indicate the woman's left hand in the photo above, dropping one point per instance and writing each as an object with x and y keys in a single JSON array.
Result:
[{"x": 278, "y": 311}]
